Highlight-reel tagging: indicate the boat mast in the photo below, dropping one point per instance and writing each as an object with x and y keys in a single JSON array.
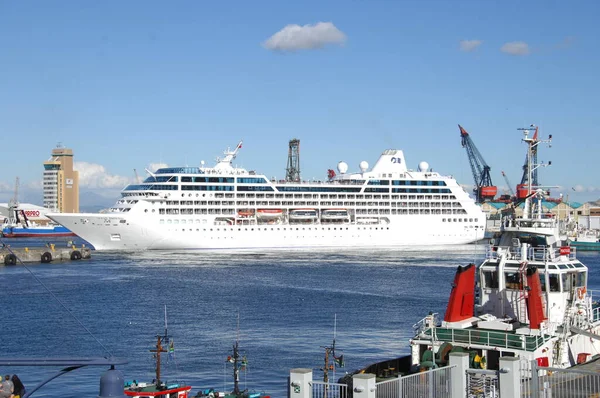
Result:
[
  {"x": 159, "y": 348},
  {"x": 236, "y": 357}
]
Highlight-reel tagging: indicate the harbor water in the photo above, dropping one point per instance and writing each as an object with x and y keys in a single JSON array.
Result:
[{"x": 286, "y": 301}]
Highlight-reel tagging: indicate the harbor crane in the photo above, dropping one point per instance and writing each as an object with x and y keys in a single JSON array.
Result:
[
  {"x": 510, "y": 190},
  {"x": 507, "y": 197},
  {"x": 484, "y": 189}
]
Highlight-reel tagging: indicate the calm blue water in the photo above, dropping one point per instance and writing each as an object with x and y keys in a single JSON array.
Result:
[{"x": 286, "y": 301}]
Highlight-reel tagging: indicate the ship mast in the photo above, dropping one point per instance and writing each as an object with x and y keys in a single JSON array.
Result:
[
  {"x": 327, "y": 363},
  {"x": 159, "y": 348},
  {"x": 236, "y": 358}
]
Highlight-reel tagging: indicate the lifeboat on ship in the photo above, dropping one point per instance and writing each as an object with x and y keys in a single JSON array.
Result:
[
  {"x": 246, "y": 213},
  {"x": 269, "y": 213},
  {"x": 303, "y": 214},
  {"x": 335, "y": 214}
]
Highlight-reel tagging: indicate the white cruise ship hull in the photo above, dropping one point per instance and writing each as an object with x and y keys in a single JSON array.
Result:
[
  {"x": 226, "y": 207},
  {"x": 113, "y": 232}
]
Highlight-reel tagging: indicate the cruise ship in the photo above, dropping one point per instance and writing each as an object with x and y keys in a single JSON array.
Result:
[{"x": 227, "y": 207}]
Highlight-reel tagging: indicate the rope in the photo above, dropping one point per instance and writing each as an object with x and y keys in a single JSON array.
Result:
[{"x": 19, "y": 261}]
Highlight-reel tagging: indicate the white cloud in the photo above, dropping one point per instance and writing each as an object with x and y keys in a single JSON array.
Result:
[
  {"x": 469, "y": 45},
  {"x": 307, "y": 37},
  {"x": 35, "y": 185},
  {"x": 93, "y": 175},
  {"x": 5, "y": 187},
  {"x": 155, "y": 166},
  {"x": 516, "y": 48}
]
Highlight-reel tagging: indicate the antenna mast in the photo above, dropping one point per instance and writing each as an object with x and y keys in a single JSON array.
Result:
[{"x": 293, "y": 166}]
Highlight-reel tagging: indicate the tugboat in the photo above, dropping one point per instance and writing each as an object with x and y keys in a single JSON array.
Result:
[
  {"x": 528, "y": 299},
  {"x": 158, "y": 387},
  {"x": 533, "y": 302}
]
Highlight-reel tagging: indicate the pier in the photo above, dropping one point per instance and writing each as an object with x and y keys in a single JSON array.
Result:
[{"x": 14, "y": 256}]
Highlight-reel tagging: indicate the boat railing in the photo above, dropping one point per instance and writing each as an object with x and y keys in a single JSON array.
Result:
[
  {"x": 594, "y": 305},
  {"x": 426, "y": 323},
  {"x": 492, "y": 338},
  {"x": 321, "y": 389},
  {"x": 533, "y": 253}
]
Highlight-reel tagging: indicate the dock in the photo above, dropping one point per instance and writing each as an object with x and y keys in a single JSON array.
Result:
[{"x": 14, "y": 256}]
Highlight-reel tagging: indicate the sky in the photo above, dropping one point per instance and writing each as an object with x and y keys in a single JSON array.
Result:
[{"x": 130, "y": 85}]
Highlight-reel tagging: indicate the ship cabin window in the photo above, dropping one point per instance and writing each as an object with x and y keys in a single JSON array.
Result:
[
  {"x": 572, "y": 280},
  {"x": 581, "y": 279},
  {"x": 553, "y": 280},
  {"x": 490, "y": 279},
  {"x": 513, "y": 280}
]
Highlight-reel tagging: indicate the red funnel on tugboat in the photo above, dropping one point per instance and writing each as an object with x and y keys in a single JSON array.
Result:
[{"x": 462, "y": 297}]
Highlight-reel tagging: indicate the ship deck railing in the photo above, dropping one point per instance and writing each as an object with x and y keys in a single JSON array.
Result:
[
  {"x": 480, "y": 337},
  {"x": 533, "y": 253},
  {"x": 322, "y": 389}
]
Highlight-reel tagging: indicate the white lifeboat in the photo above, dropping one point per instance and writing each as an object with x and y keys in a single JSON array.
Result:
[
  {"x": 303, "y": 214},
  {"x": 334, "y": 214},
  {"x": 269, "y": 213}
]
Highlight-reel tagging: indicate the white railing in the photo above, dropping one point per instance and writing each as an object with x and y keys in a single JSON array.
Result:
[
  {"x": 388, "y": 388},
  {"x": 321, "y": 389},
  {"x": 557, "y": 383},
  {"x": 533, "y": 253},
  {"x": 435, "y": 383}
]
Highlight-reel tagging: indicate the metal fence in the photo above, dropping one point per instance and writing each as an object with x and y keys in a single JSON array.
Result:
[
  {"x": 321, "y": 389},
  {"x": 435, "y": 383},
  {"x": 482, "y": 384},
  {"x": 388, "y": 388},
  {"x": 539, "y": 382}
]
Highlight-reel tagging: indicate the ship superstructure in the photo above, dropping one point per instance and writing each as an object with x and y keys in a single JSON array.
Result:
[
  {"x": 533, "y": 302},
  {"x": 227, "y": 207}
]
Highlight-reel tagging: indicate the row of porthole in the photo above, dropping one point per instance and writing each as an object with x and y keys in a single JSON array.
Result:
[{"x": 278, "y": 229}]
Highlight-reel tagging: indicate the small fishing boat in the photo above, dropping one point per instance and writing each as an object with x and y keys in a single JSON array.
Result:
[
  {"x": 159, "y": 387},
  {"x": 239, "y": 363}
]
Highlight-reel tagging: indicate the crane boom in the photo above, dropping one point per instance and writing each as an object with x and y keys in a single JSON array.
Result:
[
  {"x": 512, "y": 191},
  {"x": 484, "y": 189}
]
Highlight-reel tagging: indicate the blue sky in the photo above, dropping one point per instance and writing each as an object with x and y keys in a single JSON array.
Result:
[{"x": 129, "y": 84}]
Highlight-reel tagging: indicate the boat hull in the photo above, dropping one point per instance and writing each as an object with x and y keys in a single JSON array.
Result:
[
  {"x": 586, "y": 246},
  {"x": 19, "y": 232},
  {"x": 134, "y": 232}
]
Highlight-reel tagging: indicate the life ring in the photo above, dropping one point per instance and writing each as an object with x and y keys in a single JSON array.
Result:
[
  {"x": 75, "y": 255},
  {"x": 10, "y": 259},
  {"x": 46, "y": 257},
  {"x": 581, "y": 292}
]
